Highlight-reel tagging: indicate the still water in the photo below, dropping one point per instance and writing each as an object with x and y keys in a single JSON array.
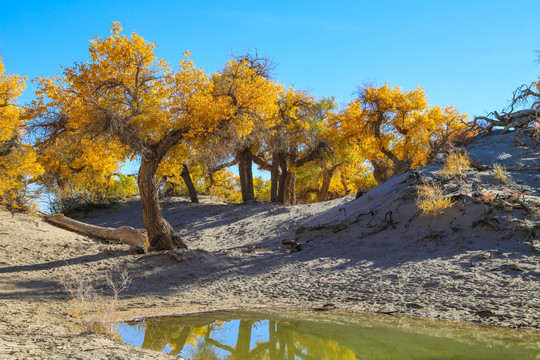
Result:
[{"x": 303, "y": 335}]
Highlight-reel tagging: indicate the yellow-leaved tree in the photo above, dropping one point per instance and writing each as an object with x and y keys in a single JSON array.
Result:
[
  {"x": 395, "y": 129},
  {"x": 18, "y": 165},
  {"x": 291, "y": 143},
  {"x": 244, "y": 82},
  {"x": 125, "y": 95}
]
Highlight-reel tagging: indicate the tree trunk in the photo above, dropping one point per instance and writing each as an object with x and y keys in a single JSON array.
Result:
[
  {"x": 381, "y": 171},
  {"x": 274, "y": 175},
  {"x": 327, "y": 175},
  {"x": 161, "y": 235},
  {"x": 189, "y": 184},
  {"x": 346, "y": 189},
  {"x": 245, "y": 162},
  {"x": 282, "y": 180},
  {"x": 290, "y": 180},
  {"x": 290, "y": 189}
]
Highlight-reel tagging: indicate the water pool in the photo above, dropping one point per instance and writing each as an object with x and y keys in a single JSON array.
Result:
[{"x": 288, "y": 335}]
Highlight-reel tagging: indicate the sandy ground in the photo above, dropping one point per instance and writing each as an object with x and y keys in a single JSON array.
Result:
[{"x": 477, "y": 262}]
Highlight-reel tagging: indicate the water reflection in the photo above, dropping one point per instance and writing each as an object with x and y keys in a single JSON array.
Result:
[{"x": 246, "y": 336}]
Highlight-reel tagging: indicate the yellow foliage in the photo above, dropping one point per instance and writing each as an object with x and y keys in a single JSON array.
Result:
[
  {"x": 455, "y": 165},
  {"x": 11, "y": 87},
  {"x": 18, "y": 162},
  {"x": 250, "y": 98},
  {"x": 431, "y": 199},
  {"x": 79, "y": 172},
  {"x": 396, "y": 129},
  {"x": 225, "y": 185},
  {"x": 262, "y": 189},
  {"x": 124, "y": 93}
]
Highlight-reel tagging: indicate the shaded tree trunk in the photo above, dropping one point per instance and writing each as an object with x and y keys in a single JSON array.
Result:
[
  {"x": 290, "y": 189},
  {"x": 245, "y": 162},
  {"x": 277, "y": 159},
  {"x": 274, "y": 174},
  {"x": 161, "y": 235},
  {"x": 287, "y": 183},
  {"x": 327, "y": 175},
  {"x": 189, "y": 184},
  {"x": 282, "y": 180}
]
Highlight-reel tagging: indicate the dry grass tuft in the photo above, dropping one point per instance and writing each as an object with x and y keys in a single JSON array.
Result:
[
  {"x": 431, "y": 199},
  {"x": 94, "y": 311},
  {"x": 456, "y": 164},
  {"x": 500, "y": 174}
]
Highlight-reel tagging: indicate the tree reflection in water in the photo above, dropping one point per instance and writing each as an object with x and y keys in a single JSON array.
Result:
[
  {"x": 250, "y": 336},
  {"x": 282, "y": 343}
]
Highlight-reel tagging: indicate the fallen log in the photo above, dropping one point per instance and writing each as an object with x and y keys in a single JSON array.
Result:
[
  {"x": 518, "y": 119},
  {"x": 123, "y": 234}
]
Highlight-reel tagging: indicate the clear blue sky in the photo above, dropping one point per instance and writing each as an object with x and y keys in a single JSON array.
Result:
[{"x": 470, "y": 54}]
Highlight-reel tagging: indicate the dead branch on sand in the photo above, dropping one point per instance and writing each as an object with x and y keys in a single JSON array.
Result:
[{"x": 124, "y": 234}]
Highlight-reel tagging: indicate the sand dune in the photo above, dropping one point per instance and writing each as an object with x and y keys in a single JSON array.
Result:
[{"x": 477, "y": 262}]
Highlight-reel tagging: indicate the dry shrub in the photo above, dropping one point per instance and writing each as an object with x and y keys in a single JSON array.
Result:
[
  {"x": 536, "y": 128},
  {"x": 500, "y": 174},
  {"x": 514, "y": 195},
  {"x": 455, "y": 165},
  {"x": 94, "y": 311},
  {"x": 431, "y": 199},
  {"x": 487, "y": 198}
]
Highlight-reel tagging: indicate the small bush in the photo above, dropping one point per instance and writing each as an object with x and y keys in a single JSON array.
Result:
[
  {"x": 88, "y": 197},
  {"x": 92, "y": 310},
  {"x": 431, "y": 199},
  {"x": 487, "y": 198},
  {"x": 455, "y": 165},
  {"x": 500, "y": 174}
]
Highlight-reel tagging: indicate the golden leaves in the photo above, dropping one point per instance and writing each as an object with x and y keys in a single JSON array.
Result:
[
  {"x": 396, "y": 126},
  {"x": 11, "y": 87},
  {"x": 18, "y": 163}
]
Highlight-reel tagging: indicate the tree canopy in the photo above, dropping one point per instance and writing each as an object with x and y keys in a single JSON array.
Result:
[
  {"x": 396, "y": 130},
  {"x": 186, "y": 128}
]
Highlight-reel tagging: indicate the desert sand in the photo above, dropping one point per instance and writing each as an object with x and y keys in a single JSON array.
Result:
[{"x": 477, "y": 262}]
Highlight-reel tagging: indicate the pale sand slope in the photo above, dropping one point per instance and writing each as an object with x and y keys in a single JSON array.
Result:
[{"x": 477, "y": 262}]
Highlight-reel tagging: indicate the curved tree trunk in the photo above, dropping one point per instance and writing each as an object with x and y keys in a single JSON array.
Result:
[
  {"x": 161, "y": 235},
  {"x": 245, "y": 163},
  {"x": 189, "y": 184}
]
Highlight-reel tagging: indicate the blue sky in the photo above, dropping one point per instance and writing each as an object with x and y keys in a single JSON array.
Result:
[{"x": 470, "y": 54}]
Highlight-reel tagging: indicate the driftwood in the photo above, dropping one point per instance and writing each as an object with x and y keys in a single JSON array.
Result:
[
  {"x": 515, "y": 119},
  {"x": 124, "y": 234}
]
